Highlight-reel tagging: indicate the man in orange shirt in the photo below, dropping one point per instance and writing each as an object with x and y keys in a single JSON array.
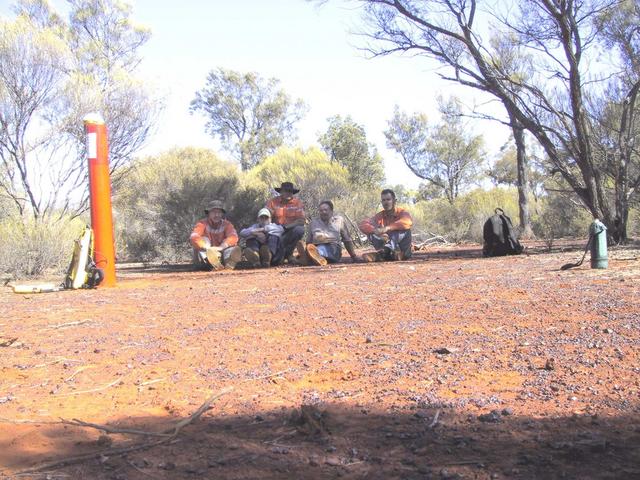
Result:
[
  {"x": 214, "y": 240},
  {"x": 389, "y": 231},
  {"x": 288, "y": 211}
]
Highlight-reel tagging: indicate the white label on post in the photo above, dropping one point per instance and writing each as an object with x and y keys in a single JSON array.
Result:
[{"x": 92, "y": 145}]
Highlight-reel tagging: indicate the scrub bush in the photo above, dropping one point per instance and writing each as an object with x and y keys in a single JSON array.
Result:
[
  {"x": 35, "y": 248},
  {"x": 164, "y": 196}
]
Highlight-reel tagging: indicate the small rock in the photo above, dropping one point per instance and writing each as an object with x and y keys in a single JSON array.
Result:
[
  {"x": 333, "y": 461},
  {"x": 550, "y": 364},
  {"x": 443, "y": 351},
  {"x": 167, "y": 465},
  {"x": 280, "y": 450},
  {"x": 491, "y": 417},
  {"x": 507, "y": 411},
  {"x": 368, "y": 340},
  {"x": 607, "y": 330},
  {"x": 104, "y": 441},
  {"x": 331, "y": 449}
]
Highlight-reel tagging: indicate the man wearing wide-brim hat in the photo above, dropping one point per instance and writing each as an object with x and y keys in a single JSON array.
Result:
[
  {"x": 214, "y": 239},
  {"x": 288, "y": 211}
]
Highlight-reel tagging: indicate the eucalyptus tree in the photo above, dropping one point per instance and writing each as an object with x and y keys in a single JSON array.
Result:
[
  {"x": 345, "y": 142},
  {"x": 52, "y": 73},
  {"x": 250, "y": 116},
  {"x": 448, "y": 155},
  {"x": 544, "y": 60}
]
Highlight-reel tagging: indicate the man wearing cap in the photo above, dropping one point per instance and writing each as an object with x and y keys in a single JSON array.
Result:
[
  {"x": 325, "y": 234},
  {"x": 262, "y": 241},
  {"x": 288, "y": 211},
  {"x": 389, "y": 231},
  {"x": 214, "y": 239}
]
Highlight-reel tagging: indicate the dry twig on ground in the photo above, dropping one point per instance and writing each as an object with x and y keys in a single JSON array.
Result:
[{"x": 170, "y": 433}]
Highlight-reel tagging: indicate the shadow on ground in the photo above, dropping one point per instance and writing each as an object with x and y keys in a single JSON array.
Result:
[{"x": 334, "y": 441}]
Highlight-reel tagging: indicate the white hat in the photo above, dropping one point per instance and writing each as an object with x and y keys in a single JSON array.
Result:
[{"x": 264, "y": 212}]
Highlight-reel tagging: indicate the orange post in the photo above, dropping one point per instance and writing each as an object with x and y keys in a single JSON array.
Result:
[{"x": 100, "y": 196}]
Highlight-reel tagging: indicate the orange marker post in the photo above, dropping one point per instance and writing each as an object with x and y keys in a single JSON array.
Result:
[{"x": 100, "y": 197}]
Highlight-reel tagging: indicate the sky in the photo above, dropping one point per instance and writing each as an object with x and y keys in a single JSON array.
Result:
[{"x": 312, "y": 50}]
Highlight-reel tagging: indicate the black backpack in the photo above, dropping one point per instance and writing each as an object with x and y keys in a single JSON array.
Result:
[{"x": 499, "y": 238}]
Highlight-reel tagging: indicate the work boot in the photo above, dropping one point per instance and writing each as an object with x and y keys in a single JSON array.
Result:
[
  {"x": 302, "y": 254},
  {"x": 372, "y": 257},
  {"x": 314, "y": 256},
  {"x": 235, "y": 255},
  {"x": 265, "y": 256},
  {"x": 396, "y": 254},
  {"x": 252, "y": 257},
  {"x": 214, "y": 258}
]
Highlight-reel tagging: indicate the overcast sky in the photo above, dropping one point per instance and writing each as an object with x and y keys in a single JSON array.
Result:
[{"x": 308, "y": 48}]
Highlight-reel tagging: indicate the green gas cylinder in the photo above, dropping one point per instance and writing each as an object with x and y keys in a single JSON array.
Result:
[{"x": 598, "y": 234}]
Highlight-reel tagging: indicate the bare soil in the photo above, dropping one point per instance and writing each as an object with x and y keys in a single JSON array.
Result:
[{"x": 447, "y": 366}]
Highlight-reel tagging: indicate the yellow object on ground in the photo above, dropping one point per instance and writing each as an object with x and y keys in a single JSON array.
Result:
[{"x": 37, "y": 288}]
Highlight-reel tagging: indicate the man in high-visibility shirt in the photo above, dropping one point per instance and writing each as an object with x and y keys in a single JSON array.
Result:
[
  {"x": 214, "y": 239},
  {"x": 389, "y": 231},
  {"x": 288, "y": 211}
]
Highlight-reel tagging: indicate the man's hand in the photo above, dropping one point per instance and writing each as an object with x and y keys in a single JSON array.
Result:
[
  {"x": 260, "y": 236},
  {"x": 381, "y": 230}
]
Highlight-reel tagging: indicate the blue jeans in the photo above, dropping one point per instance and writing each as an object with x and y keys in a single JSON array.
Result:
[
  {"x": 398, "y": 240},
  {"x": 273, "y": 241},
  {"x": 290, "y": 237},
  {"x": 331, "y": 251}
]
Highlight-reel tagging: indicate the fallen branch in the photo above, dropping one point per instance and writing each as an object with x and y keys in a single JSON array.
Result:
[
  {"x": 52, "y": 362},
  {"x": 104, "y": 387},
  {"x": 435, "y": 239},
  {"x": 80, "y": 369},
  {"x": 108, "y": 429},
  {"x": 434, "y": 422},
  {"x": 6, "y": 342},
  {"x": 183, "y": 423},
  {"x": 277, "y": 374},
  {"x": 132, "y": 448},
  {"x": 68, "y": 324},
  {"x": 90, "y": 456}
]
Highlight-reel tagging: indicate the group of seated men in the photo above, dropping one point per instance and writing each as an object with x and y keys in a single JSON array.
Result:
[{"x": 277, "y": 236}]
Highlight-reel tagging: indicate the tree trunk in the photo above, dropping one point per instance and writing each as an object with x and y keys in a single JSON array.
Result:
[{"x": 523, "y": 178}]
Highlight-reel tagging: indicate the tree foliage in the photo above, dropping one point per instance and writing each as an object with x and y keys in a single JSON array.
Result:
[
  {"x": 165, "y": 195},
  {"x": 52, "y": 74},
  {"x": 549, "y": 90},
  {"x": 250, "y": 116},
  {"x": 445, "y": 154},
  {"x": 346, "y": 143},
  {"x": 310, "y": 170}
]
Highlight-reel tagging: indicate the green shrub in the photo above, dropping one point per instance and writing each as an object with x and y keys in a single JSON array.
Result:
[
  {"x": 560, "y": 216},
  {"x": 310, "y": 170},
  {"x": 633, "y": 226},
  {"x": 463, "y": 220},
  {"x": 164, "y": 196},
  {"x": 31, "y": 248}
]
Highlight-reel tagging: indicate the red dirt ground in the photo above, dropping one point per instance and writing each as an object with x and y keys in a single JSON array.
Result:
[{"x": 447, "y": 366}]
